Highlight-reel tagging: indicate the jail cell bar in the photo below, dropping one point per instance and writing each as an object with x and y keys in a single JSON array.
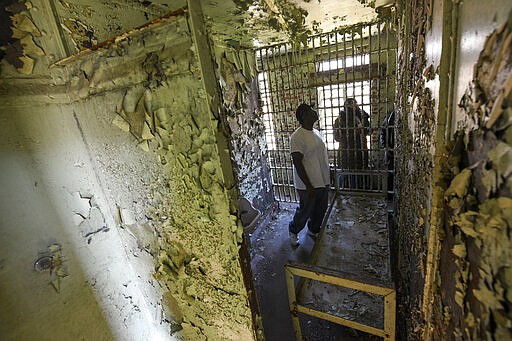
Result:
[{"x": 355, "y": 62}]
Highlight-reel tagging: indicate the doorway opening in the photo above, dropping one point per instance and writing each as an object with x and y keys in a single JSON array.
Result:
[{"x": 357, "y": 62}]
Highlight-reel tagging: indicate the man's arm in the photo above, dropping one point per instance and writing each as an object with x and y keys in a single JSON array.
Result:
[
  {"x": 365, "y": 120},
  {"x": 301, "y": 171}
]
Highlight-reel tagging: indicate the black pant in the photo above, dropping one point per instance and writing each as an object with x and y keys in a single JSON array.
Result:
[{"x": 311, "y": 209}]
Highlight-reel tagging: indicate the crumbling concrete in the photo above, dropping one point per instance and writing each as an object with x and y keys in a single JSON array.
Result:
[
  {"x": 453, "y": 225},
  {"x": 413, "y": 164},
  {"x": 179, "y": 212},
  {"x": 475, "y": 278},
  {"x": 198, "y": 237},
  {"x": 237, "y": 71}
]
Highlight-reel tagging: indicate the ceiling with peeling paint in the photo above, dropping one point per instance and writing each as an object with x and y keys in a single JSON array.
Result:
[
  {"x": 238, "y": 23},
  {"x": 83, "y": 24}
]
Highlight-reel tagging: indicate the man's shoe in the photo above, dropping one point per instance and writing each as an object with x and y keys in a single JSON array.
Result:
[
  {"x": 294, "y": 239},
  {"x": 312, "y": 234}
]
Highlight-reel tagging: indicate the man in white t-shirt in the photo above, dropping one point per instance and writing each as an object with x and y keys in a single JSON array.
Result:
[{"x": 310, "y": 174}]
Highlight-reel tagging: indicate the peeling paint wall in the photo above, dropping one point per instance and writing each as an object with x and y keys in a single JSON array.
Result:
[
  {"x": 37, "y": 33},
  {"x": 198, "y": 237},
  {"x": 416, "y": 131},
  {"x": 18, "y": 31},
  {"x": 237, "y": 71},
  {"x": 165, "y": 192},
  {"x": 453, "y": 231},
  {"x": 473, "y": 294},
  {"x": 85, "y": 23}
]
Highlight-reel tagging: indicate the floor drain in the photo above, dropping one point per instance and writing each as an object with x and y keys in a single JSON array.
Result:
[{"x": 43, "y": 263}]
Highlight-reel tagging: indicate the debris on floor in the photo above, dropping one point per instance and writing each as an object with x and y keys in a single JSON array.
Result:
[{"x": 355, "y": 240}]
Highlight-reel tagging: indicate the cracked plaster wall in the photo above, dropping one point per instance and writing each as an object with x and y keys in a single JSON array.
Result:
[
  {"x": 149, "y": 142},
  {"x": 247, "y": 136},
  {"x": 70, "y": 178},
  {"x": 473, "y": 297},
  {"x": 416, "y": 129},
  {"x": 453, "y": 226},
  {"x": 38, "y": 33}
]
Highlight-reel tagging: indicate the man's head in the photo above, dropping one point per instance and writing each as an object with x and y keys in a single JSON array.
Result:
[
  {"x": 306, "y": 115},
  {"x": 351, "y": 103}
]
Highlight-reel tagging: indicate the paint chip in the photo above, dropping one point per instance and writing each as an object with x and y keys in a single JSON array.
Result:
[{"x": 121, "y": 123}]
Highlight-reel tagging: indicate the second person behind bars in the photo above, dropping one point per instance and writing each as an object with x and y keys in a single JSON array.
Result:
[{"x": 350, "y": 130}]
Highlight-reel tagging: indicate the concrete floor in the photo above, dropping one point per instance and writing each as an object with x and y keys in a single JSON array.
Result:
[{"x": 355, "y": 240}]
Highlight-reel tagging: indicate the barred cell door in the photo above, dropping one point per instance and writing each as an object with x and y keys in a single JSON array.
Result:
[{"x": 349, "y": 77}]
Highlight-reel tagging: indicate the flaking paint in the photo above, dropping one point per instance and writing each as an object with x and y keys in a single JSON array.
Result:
[
  {"x": 162, "y": 103},
  {"x": 455, "y": 248},
  {"x": 416, "y": 131},
  {"x": 475, "y": 259}
]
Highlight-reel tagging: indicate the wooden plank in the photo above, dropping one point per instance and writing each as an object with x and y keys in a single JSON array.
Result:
[
  {"x": 390, "y": 316},
  {"x": 341, "y": 320},
  {"x": 338, "y": 278},
  {"x": 292, "y": 299}
]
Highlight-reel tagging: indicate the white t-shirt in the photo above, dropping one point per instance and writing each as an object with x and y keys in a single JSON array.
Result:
[{"x": 310, "y": 144}]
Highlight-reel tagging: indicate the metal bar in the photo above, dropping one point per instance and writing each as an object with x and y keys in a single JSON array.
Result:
[
  {"x": 390, "y": 316},
  {"x": 275, "y": 55},
  {"x": 270, "y": 103},
  {"x": 287, "y": 90},
  {"x": 341, "y": 320},
  {"x": 292, "y": 300},
  {"x": 351, "y": 75},
  {"x": 337, "y": 278},
  {"x": 340, "y": 279},
  {"x": 338, "y": 108},
  {"x": 342, "y": 101},
  {"x": 353, "y": 151},
  {"x": 364, "y": 143},
  {"x": 289, "y": 120},
  {"x": 330, "y": 57}
]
